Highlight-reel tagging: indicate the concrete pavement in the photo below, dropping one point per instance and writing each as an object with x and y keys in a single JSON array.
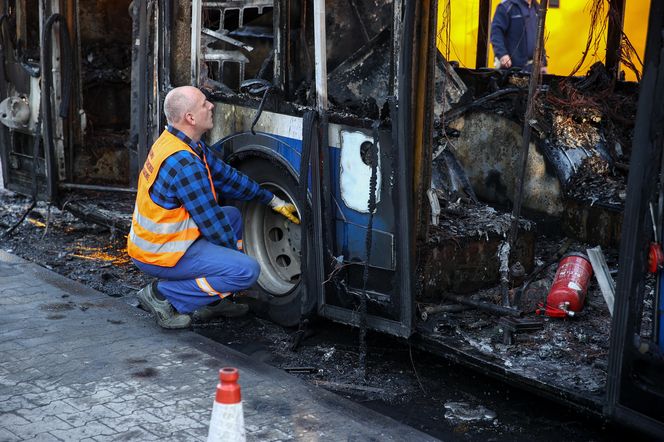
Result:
[{"x": 77, "y": 365}]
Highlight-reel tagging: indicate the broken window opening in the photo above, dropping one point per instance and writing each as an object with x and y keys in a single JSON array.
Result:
[
  {"x": 235, "y": 43},
  {"x": 361, "y": 61}
]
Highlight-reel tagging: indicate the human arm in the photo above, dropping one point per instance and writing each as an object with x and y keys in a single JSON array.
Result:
[
  {"x": 499, "y": 26},
  {"x": 183, "y": 181},
  {"x": 234, "y": 184}
]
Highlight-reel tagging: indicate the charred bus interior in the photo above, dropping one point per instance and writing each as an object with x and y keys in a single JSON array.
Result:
[
  {"x": 408, "y": 210},
  {"x": 90, "y": 57}
]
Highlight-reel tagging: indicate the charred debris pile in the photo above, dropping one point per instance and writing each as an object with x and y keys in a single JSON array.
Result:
[
  {"x": 583, "y": 127},
  {"x": 575, "y": 189},
  {"x": 575, "y": 182}
]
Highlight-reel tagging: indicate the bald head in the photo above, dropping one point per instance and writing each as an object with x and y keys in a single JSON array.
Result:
[
  {"x": 178, "y": 102},
  {"x": 188, "y": 110}
]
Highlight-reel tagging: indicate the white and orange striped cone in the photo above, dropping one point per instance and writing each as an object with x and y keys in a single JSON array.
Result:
[{"x": 227, "y": 421}]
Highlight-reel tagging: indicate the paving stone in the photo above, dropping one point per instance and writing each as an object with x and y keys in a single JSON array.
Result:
[
  {"x": 46, "y": 425},
  {"x": 90, "y": 429},
  {"x": 173, "y": 424},
  {"x": 8, "y": 436},
  {"x": 56, "y": 407},
  {"x": 14, "y": 285},
  {"x": 95, "y": 413},
  {"x": 134, "y": 434},
  {"x": 186, "y": 436},
  {"x": 13, "y": 419},
  {"x": 132, "y": 421},
  {"x": 43, "y": 437},
  {"x": 126, "y": 407}
]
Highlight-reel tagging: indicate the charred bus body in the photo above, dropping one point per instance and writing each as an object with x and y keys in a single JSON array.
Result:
[{"x": 336, "y": 106}]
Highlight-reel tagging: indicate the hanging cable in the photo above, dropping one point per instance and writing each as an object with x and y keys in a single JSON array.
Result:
[
  {"x": 47, "y": 80},
  {"x": 373, "y": 184},
  {"x": 309, "y": 142}
]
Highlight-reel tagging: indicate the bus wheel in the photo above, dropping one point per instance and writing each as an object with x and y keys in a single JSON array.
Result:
[{"x": 275, "y": 243}]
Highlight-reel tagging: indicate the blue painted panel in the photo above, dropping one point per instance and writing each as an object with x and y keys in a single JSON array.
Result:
[
  {"x": 351, "y": 225},
  {"x": 290, "y": 150},
  {"x": 379, "y": 222}
]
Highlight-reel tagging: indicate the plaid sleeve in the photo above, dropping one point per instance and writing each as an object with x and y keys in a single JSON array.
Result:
[
  {"x": 233, "y": 184},
  {"x": 187, "y": 181}
]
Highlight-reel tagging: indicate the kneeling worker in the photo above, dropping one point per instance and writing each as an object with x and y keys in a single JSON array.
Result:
[{"x": 179, "y": 233}]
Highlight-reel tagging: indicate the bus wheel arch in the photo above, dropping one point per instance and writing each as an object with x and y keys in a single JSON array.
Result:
[{"x": 275, "y": 242}]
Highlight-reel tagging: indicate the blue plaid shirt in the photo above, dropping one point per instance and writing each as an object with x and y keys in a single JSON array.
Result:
[{"x": 183, "y": 181}]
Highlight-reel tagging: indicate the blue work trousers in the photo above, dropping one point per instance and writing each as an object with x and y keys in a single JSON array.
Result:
[{"x": 206, "y": 272}]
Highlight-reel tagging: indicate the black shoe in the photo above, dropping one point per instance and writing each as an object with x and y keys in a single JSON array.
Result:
[{"x": 222, "y": 308}]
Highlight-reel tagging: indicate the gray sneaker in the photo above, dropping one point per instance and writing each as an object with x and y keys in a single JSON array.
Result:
[
  {"x": 223, "y": 308},
  {"x": 163, "y": 311}
]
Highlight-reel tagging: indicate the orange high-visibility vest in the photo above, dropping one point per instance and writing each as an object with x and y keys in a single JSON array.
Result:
[{"x": 161, "y": 236}]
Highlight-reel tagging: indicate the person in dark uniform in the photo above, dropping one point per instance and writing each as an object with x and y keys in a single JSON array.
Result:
[{"x": 514, "y": 34}]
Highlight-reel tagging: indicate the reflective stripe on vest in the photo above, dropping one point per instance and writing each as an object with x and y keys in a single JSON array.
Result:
[
  {"x": 161, "y": 236},
  {"x": 163, "y": 227}
]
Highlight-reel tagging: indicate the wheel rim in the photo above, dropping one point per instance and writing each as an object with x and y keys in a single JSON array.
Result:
[{"x": 274, "y": 242}]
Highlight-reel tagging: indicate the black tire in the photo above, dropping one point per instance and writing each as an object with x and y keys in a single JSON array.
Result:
[{"x": 275, "y": 243}]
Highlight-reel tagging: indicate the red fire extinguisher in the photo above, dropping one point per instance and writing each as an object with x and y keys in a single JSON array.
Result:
[
  {"x": 568, "y": 291},
  {"x": 655, "y": 253}
]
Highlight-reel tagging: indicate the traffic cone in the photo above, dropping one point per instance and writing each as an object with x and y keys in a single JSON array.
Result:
[{"x": 227, "y": 421}]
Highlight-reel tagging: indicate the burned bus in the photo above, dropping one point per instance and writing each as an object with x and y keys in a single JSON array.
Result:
[{"x": 405, "y": 168}]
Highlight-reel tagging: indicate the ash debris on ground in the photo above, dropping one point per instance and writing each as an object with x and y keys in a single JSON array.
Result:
[
  {"x": 464, "y": 412},
  {"x": 568, "y": 132},
  {"x": 465, "y": 218},
  {"x": 112, "y": 211},
  {"x": 59, "y": 241},
  {"x": 595, "y": 182},
  {"x": 570, "y": 353}
]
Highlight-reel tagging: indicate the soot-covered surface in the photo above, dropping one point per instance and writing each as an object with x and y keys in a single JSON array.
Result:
[
  {"x": 446, "y": 400},
  {"x": 567, "y": 356}
]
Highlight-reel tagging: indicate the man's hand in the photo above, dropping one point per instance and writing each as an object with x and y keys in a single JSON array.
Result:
[
  {"x": 506, "y": 61},
  {"x": 286, "y": 209}
]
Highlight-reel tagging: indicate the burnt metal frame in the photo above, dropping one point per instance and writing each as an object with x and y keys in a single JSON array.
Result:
[
  {"x": 481, "y": 59},
  {"x": 142, "y": 73},
  {"x": 402, "y": 133},
  {"x": 402, "y": 144},
  {"x": 4, "y": 131},
  {"x": 151, "y": 72},
  {"x": 635, "y": 395},
  {"x": 52, "y": 128},
  {"x": 165, "y": 44},
  {"x": 614, "y": 35},
  {"x": 8, "y": 138},
  {"x": 281, "y": 26}
]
